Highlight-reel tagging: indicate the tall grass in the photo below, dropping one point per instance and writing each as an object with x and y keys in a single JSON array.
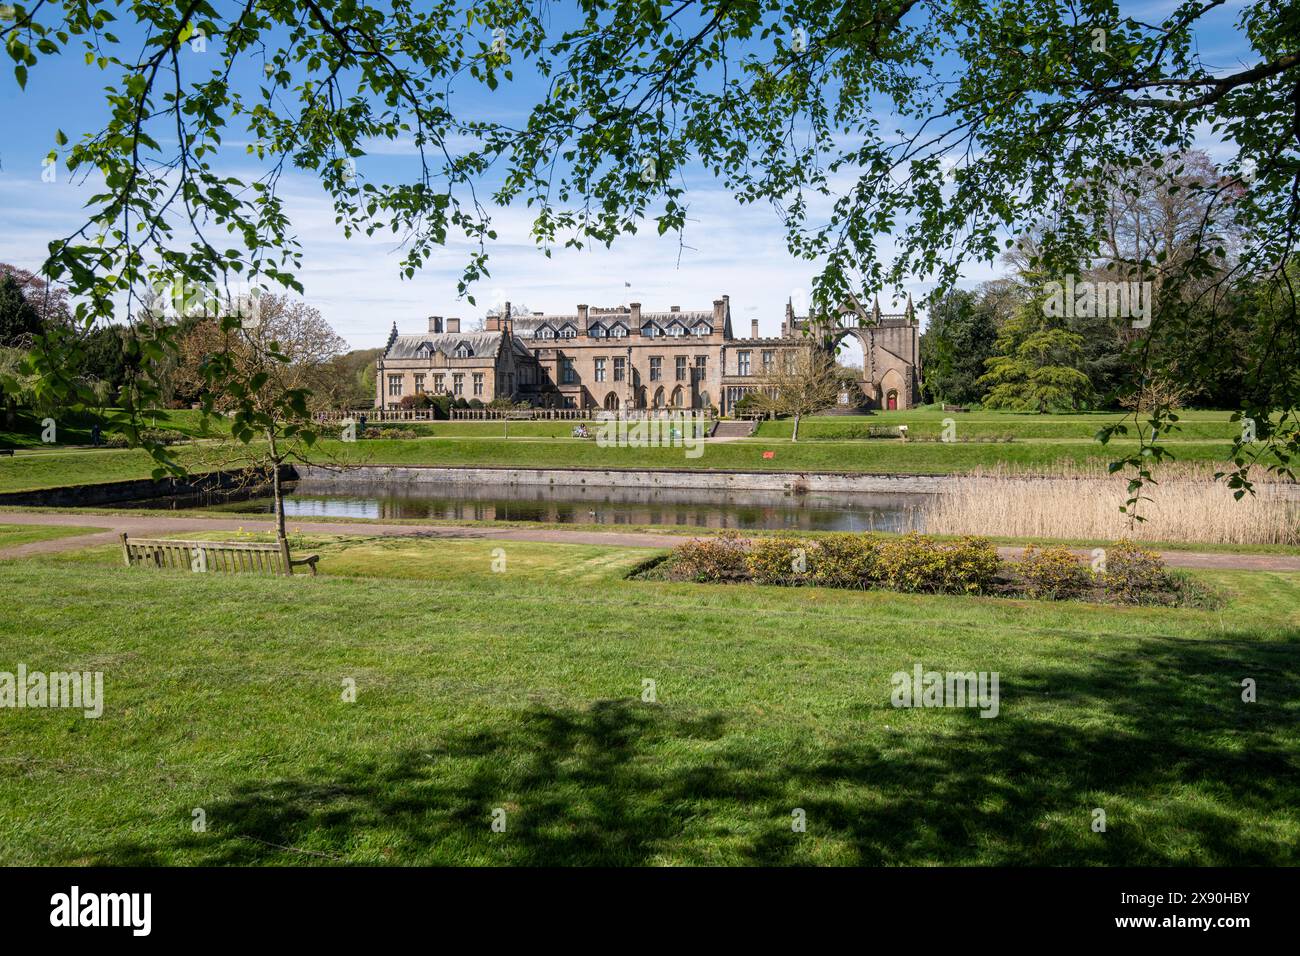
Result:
[
  {"x": 1166, "y": 472},
  {"x": 1088, "y": 508}
]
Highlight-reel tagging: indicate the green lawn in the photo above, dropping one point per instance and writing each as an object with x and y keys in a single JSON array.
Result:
[
  {"x": 985, "y": 425},
  {"x": 27, "y": 471},
  {"x": 834, "y": 444},
  {"x": 12, "y": 535},
  {"x": 487, "y": 429},
  {"x": 521, "y": 690},
  {"x": 76, "y": 429}
]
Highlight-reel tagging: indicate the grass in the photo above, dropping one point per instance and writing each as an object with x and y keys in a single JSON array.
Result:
[
  {"x": 75, "y": 430},
  {"x": 522, "y": 690},
  {"x": 666, "y": 531},
  {"x": 13, "y": 535},
  {"x": 983, "y": 425},
  {"x": 51, "y": 469},
  {"x": 1087, "y": 508},
  {"x": 832, "y": 444},
  {"x": 34, "y": 470},
  {"x": 488, "y": 429}
]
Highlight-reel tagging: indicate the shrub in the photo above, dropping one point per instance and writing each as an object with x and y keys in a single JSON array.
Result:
[
  {"x": 970, "y": 566},
  {"x": 749, "y": 404},
  {"x": 916, "y": 563},
  {"x": 1135, "y": 575},
  {"x": 844, "y": 560},
  {"x": 1053, "y": 573},
  {"x": 911, "y": 563},
  {"x": 419, "y": 400},
  {"x": 720, "y": 558},
  {"x": 1192, "y": 593},
  {"x": 163, "y": 436},
  {"x": 778, "y": 560}
]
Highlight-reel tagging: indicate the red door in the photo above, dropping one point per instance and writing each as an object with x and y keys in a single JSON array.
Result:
[{"x": 891, "y": 401}]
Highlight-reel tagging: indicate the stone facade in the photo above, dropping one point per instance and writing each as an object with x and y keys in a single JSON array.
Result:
[
  {"x": 623, "y": 358},
  {"x": 891, "y": 350},
  {"x": 469, "y": 365}
]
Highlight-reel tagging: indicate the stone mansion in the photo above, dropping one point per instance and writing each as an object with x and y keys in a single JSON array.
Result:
[{"x": 623, "y": 358}]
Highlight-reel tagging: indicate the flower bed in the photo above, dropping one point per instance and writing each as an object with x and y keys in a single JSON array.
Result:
[{"x": 1121, "y": 574}]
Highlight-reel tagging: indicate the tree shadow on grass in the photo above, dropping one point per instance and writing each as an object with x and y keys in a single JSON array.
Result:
[{"x": 1157, "y": 736}]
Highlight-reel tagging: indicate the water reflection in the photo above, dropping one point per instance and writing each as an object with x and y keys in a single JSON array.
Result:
[{"x": 742, "y": 510}]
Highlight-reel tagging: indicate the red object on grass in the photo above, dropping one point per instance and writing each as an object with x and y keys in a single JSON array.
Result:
[{"x": 769, "y": 454}]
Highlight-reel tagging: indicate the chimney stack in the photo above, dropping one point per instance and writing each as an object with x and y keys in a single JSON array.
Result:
[
  {"x": 435, "y": 324},
  {"x": 635, "y": 308},
  {"x": 674, "y": 308},
  {"x": 582, "y": 314},
  {"x": 453, "y": 326},
  {"x": 719, "y": 313},
  {"x": 753, "y": 328}
]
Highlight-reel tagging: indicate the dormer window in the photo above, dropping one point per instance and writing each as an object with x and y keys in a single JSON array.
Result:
[
  {"x": 703, "y": 329},
  {"x": 422, "y": 351},
  {"x": 568, "y": 332},
  {"x": 649, "y": 331},
  {"x": 618, "y": 331},
  {"x": 676, "y": 330},
  {"x": 546, "y": 332},
  {"x": 463, "y": 350},
  {"x": 596, "y": 331}
]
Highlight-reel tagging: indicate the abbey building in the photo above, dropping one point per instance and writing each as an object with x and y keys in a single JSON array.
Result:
[{"x": 624, "y": 358}]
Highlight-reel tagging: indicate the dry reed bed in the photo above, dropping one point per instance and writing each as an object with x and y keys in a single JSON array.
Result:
[
  {"x": 1168, "y": 471},
  {"x": 1088, "y": 508}
]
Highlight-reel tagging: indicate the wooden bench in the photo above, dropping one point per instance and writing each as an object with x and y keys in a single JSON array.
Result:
[
  {"x": 7, "y": 451},
  {"x": 227, "y": 556}
]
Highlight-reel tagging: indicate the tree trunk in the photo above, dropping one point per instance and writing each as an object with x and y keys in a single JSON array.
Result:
[
  {"x": 277, "y": 490},
  {"x": 279, "y": 501},
  {"x": 794, "y": 435}
]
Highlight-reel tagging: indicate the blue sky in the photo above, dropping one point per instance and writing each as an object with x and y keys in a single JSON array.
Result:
[{"x": 727, "y": 248}]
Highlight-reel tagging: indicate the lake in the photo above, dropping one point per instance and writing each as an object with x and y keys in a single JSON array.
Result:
[{"x": 457, "y": 501}]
